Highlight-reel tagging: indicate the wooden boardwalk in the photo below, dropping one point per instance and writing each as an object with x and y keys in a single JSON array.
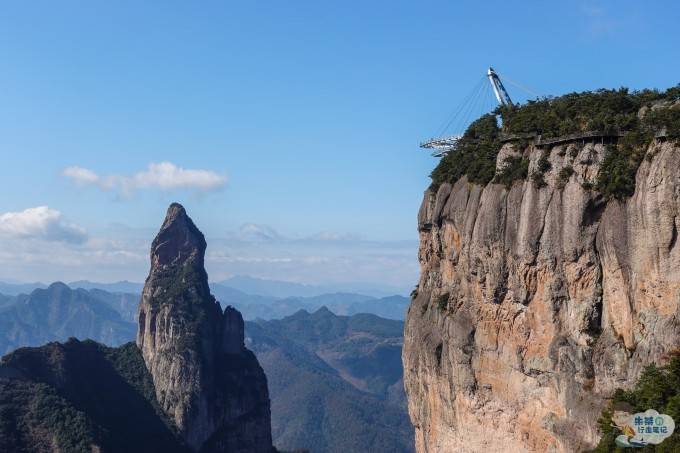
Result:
[
  {"x": 551, "y": 141},
  {"x": 581, "y": 136}
]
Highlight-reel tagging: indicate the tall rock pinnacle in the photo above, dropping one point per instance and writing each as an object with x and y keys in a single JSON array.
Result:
[{"x": 206, "y": 381}]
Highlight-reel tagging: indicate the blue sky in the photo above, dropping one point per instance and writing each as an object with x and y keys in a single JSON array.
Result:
[{"x": 306, "y": 115}]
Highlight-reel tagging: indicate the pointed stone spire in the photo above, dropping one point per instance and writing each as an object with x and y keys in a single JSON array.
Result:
[
  {"x": 178, "y": 240},
  {"x": 205, "y": 378}
]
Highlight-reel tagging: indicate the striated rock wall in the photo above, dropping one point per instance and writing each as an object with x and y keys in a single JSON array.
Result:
[
  {"x": 206, "y": 381},
  {"x": 534, "y": 304}
]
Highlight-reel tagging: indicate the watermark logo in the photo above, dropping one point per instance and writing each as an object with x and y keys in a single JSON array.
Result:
[{"x": 642, "y": 428}]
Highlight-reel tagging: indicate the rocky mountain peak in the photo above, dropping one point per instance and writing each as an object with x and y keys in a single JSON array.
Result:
[
  {"x": 323, "y": 311},
  {"x": 178, "y": 241},
  {"x": 58, "y": 286},
  {"x": 205, "y": 378},
  {"x": 233, "y": 331}
]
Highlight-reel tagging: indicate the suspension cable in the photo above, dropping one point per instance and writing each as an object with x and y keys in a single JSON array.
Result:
[
  {"x": 521, "y": 87},
  {"x": 475, "y": 104},
  {"x": 470, "y": 108},
  {"x": 466, "y": 101}
]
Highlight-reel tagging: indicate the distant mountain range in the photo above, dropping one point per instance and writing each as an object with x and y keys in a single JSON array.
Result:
[
  {"x": 335, "y": 381},
  {"x": 14, "y": 289},
  {"x": 5, "y": 300},
  {"x": 265, "y": 307},
  {"x": 258, "y": 304},
  {"x": 282, "y": 289},
  {"x": 246, "y": 284},
  {"x": 123, "y": 286},
  {"x": 59, "y": 312}
]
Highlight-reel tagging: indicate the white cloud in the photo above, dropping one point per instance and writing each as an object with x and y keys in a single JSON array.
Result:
[
  {"x": 164, "y": 176},
  {"x": 333, "y": 236},
  {"x": 121, "y": 253},
  {"x": 256, "y": 232},
  {"x": 40, "y": 223},
  {"x": 81, "y": 176},
  {"x": 322, "y": 258}
]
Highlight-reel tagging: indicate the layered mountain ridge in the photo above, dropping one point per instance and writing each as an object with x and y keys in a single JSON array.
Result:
[
  {"x": 59, "y": 312},
  {"x": 335, "y": 381},
  {"x": 189, "y": 379}
]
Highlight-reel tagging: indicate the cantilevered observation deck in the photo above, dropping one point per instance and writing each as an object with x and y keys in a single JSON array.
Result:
[{"x": 445, "y": 144}]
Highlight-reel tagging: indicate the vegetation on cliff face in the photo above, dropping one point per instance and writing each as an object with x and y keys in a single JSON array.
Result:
[
  {"x": 514, "y": 168},
  {"x": 474, "y": 156},
  {"x": 128, "y": 362},
  {"x": 443, "y": 301},
  {"x": 638, "y": 115},
  {"x": 658, "y": 388}
]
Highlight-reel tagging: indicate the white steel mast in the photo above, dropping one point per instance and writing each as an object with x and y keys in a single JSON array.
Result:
[
  {"x": 502, "y": 95},
  {"x": 443, "y": 145}
]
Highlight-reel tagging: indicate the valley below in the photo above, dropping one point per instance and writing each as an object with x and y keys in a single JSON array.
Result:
[{"x": 335, "y": 381}]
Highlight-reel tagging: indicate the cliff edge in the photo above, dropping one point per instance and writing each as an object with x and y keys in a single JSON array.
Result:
[{"x": 536, "y": 300}]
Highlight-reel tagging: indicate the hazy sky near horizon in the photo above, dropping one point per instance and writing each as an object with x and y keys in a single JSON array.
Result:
[{"x": 289, "y": 130}]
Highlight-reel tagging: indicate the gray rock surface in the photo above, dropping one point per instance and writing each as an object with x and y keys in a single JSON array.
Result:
[
  {"x": 534, "y": 304},
  {"x": 205, "y": 379}
]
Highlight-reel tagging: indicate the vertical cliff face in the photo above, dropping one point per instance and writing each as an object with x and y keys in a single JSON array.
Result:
[
  {"x": 534, "y": 304},
  {"x": 205, "y": 379}
]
